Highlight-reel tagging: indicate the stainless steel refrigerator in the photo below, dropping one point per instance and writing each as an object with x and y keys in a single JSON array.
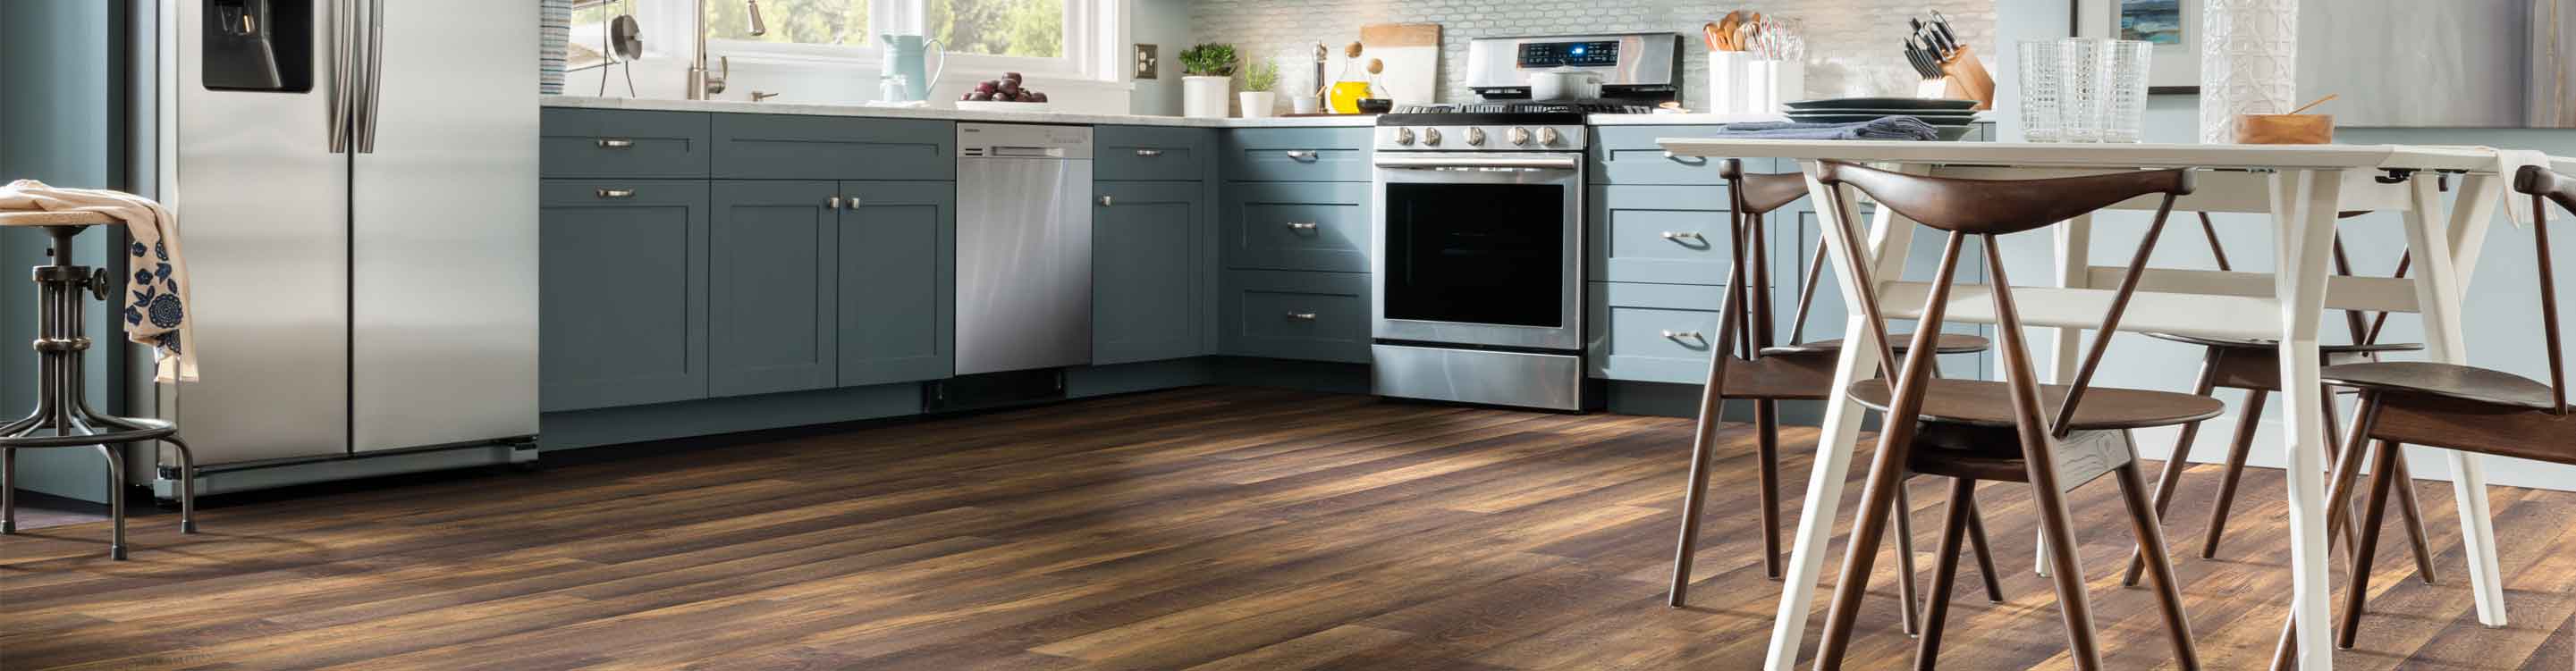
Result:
[{"x": 356, "y": 185}]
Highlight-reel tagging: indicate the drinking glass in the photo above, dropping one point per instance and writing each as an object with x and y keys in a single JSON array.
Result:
[
  {"x": 2043, "y": 90},
  {"x": 2124, "y": 104},
  {"x": 2081, "y": 77}
]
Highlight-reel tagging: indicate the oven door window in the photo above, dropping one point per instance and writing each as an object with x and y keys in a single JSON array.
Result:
[{"x": 1476, "y": 253}]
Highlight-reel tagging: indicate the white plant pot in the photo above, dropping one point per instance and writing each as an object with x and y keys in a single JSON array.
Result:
[
  {"x": 1203, "y": 96},
  {"x": 1258, "y": 104}
]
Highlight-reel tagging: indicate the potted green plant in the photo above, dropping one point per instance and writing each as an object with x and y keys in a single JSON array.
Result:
[
  {"x": 1260, "y": 84},
  {"x": 1207, "y": 73}
]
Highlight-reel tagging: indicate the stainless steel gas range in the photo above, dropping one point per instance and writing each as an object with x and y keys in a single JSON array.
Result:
[{"x": 1477, "y": 293}]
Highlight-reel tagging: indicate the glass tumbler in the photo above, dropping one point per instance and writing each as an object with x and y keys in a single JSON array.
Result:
[
  {"x": 2124, "y": 103},
  {"x": 2081, "y": 75},
  {"x": 2043, "y": 90}
]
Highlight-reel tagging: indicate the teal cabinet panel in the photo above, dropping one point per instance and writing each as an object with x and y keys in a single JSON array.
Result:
[
  {"x": 1665, "y": 234},
  {"x": 772, "y": 255},
  {"x": 1145, "y": 256},
  {"x": 622, "y": 143},
  {"x": 779, "y": 146},
  {"x": 1630, "y": 155},
  {"x": 1297, "y": 226},
  {"x": 1297, "y": 315},
  {"x": 897, "y": 279},
  {"x": 623, "y": 281},
  {"x": 1152, "y": 153},
  {"x": 1298, "y": 154},
  {"x": 1652, "y": 332}
]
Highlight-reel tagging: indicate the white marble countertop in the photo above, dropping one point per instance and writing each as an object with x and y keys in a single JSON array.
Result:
[{"x": 1077, "y": 118}]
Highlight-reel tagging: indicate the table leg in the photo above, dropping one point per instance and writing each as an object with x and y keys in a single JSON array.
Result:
[
  {"x": 2072, "y": 245},
  {"x": 1841, "y": 429},
  {"x": 2437, "y": 295},
  {"x": 2303, "y": 207}
]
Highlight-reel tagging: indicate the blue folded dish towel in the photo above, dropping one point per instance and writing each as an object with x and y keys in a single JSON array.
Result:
[{"x": 1882, "y": 128}]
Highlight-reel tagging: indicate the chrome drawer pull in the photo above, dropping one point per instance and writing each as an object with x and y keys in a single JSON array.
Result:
[
  {"x": 1307, "y": 155},
  {"x": 615, "y": 143},
  {"x": 1302, "y": 316},
  {"x": 1678, "y": 336},
  {"x": 1149, "y": 153},
  {"x": 1682, "y": 235},
  {"x": 616, "y": 193},
  {"x": 832, "y": 203},
  {"x": 854, "y": 202},
  {"x": 1302, "y": 225},
  {"x": 1105, "y": 201}
]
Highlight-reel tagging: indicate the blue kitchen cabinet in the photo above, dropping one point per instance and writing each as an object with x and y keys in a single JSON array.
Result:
[
  {"x": 1661, "y": 234},
  {"x": 781, "y": 146},
  {"x": 623, "y": 281},
  {"x": 1631, "y": 155},
  {"x": 1339, "y": 154},
  {"x": 773, "y": 256},
  {"x": 896, "y": 282},
  {"x": 622, "y": 143},
  {"x": 1652, "y": 332},
  {"x": 1152, "y": 153},
  {"x": 1296, "y": 315},
  {"x": 1297, "y": 226},
  {"x": 1146, "y": 260}
]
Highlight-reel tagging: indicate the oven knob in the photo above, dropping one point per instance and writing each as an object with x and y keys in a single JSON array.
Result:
[
  {"x": 1547, "y": 137},
  {"x": 1431, "y": 137},
  {"x": 1475, "y": 136},
  {"x": 1404, "y": 136},
  {"x": 1520, "y": 136}
]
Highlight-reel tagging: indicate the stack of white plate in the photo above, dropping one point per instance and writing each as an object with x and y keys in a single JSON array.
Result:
[{"x": 1952, "y": 117}]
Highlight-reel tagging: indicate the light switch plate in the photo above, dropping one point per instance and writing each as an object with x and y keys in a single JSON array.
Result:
[{"x": 1148, "y": 64}]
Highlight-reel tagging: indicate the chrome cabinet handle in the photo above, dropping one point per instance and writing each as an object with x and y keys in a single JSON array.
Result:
[
  {"x": 854, "y": 203},
  {"x": 1678, "y": 336},
  {"x": 1105, "y": 201},
  {"x": 1302, "y": 225},
  {"x": 615, "y": 143},
  {"x": 1688, "y": 160},
  {"x": 1149, "y": 153},
  {"x": 832, "y": 202},
  {"x": 1302, "y": 316},
  {"x": 1306, "y": 155},
  {"x": 616, "y": 193},
  {"x": 1682, "y": 235}
]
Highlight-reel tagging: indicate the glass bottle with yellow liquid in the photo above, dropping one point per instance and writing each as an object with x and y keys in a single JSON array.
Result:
[{"x": 1355, "y": 83}]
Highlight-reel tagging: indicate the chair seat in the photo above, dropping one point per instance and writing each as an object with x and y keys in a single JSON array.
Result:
[
  {"x": 1780, "y": 378},
  {"x": 2265, "y": 344},
  {"x": 2466, "y": 383},
  {"x": 51, "y": 218},
  {"x": 1949, "y": 343},
  {"x": 1989, "y": 403}
]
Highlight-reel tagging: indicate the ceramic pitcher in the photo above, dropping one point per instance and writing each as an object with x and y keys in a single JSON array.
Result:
[{"x": 905, "y": 56}]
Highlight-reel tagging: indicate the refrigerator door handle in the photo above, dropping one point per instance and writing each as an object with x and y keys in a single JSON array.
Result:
[
  {"x": 343, "y": 50},
  {"x": 375, "y": 75}
]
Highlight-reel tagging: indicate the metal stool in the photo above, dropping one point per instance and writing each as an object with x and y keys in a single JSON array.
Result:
[{"x": 63, "y": 417}]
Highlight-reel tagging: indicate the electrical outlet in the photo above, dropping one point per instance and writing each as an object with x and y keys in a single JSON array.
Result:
[{"x": 1147, "y": 63}]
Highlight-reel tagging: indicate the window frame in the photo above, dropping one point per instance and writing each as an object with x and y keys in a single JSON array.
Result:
[{"x": 1090, "y": 28}]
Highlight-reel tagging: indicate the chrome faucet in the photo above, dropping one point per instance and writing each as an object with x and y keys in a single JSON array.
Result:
[{"x": 704, "y": 85}]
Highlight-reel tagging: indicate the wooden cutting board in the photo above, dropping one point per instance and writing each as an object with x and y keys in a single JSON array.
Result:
[{"x": 1411, "y": 52}]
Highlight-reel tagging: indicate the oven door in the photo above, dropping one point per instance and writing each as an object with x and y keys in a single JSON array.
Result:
[{"x": 1479, "y": 249}]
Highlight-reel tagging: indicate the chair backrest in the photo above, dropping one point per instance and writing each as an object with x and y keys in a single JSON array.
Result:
[
  {"x": 2545, "y": 187},
  {"x": 1759, "y": 194},
  {"x": 1990, "y": 208},
  {"x": 1748, "y": 303}
]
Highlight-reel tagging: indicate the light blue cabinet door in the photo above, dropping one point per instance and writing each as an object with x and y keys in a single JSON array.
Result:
[
  {"x": 1630, "y": 155},
  {"x": 1297, "y": 226},
  {"x": 1153, "y": 153},
  {"x": 773, "y": 252},
  {"x": 1663, "y": 234},
  {"x": 1298, "y": 154},
  {"x": 782, "y": 146},
  {"x": 1145, "y": 262},
  {"x": 897, "y": 282},
  {"x": 622, "y": 143},
  {"x": 1297, "y": 315},
  {"x": 623, "y": 278},
  {"x": 1652, "y": 332}
]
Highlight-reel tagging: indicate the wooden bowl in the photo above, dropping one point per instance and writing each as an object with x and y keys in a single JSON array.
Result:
[{"x": 2285, "y": 129}]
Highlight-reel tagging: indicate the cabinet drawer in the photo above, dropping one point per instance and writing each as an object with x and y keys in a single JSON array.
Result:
[
  {"x": 1298, "y": 154},
  {"x": 1629, "y": 155},
  {"x": 1148, "y": 153},
  {"x": 774, "y": 146},
  {"x": 1630, "y": 326},
  {"x": 1663, "y": 234},
  {"x": 621, "y": 143},
  {"x": 1297, "y": 315},
  {"x": 1300, "y": 226}
]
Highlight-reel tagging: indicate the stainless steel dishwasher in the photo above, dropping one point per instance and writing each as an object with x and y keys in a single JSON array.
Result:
[{"x": 1023, "y": 247}]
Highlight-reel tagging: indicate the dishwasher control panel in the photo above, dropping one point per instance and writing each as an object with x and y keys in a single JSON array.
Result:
[{"x": 1000, "y": 140}]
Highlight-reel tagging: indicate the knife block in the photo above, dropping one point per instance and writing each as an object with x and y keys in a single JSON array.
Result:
[{"x": 1967, "y": 78}]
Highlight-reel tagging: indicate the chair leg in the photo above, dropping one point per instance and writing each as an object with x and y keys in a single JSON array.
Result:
[
  {"x": 2382, "y": 474},
  {"x": 1945, "y": 571},
  {"x": 1904, "y": 541},
  {"x": 1985, "y": 554},
  {"x": 2066, "y": 573},
  {"x": 2334, "y": 427},
  {"x": 1701, "y": 447},
  {"x": 8, "y": 491},
  {"x": 187, "y": 485},
  {"x": 2150, "y": 530},
  {"x": 1766, "y": 422},
  {"x": 2247, "y": 420},
  {"x": 2414, "y": 516},
  {"x": 2177, "y": 462},
  {"x": 115, "y": 500}
]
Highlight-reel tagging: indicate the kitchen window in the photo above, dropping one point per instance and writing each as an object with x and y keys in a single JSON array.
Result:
[{"x": 1063, "y": 39}]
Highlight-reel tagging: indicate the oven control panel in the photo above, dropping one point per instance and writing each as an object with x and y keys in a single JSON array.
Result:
[
  {"x": 1481, "y": 137},
  {"x": 1580, "y": 54}
]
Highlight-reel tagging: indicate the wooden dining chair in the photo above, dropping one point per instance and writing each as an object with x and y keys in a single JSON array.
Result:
[
  {"x": 2253, "y": 365},
  {"x": 2453, "y": 406},
  {"x": 1971, "y": 430},
  {"x": 1753, "y": 369}
]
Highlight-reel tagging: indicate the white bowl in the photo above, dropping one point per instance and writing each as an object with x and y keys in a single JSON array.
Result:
[{"x": 998, "y": 106}]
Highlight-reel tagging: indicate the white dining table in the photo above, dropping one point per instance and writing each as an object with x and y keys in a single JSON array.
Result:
[{"x": 2302, "y": 187}]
